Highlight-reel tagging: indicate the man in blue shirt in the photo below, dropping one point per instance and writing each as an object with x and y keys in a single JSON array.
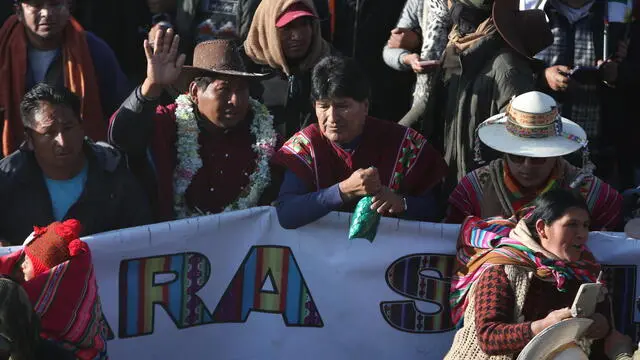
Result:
[
  {"x": 44, "y": 43},
  {"x": 58, "y": 174}
]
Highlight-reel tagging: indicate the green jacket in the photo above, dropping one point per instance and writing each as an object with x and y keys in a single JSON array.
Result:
[{"x": 476, "y": 84}]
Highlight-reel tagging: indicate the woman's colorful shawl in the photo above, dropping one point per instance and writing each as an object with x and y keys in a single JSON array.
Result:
[
  {"x": 485, "y": 243},
  {"x": 395, "y": 150},
  {"x": 478, "y": 194},
  {"x": 67, "y": 301}
]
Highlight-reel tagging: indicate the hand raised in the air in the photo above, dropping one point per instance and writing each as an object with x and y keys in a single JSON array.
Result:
[{"x": 163, "y": 62}]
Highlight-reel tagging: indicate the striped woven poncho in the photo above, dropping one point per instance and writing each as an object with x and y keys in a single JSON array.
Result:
[{"x": 67, "y": 301}]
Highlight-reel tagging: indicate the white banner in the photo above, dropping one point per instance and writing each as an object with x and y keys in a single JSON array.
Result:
[{"x": 238, "y": 286}]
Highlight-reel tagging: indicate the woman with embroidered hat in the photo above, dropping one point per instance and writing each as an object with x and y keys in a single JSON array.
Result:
[
  {"x": 54, "y": 260},
  {"x": 517, "y": 277},
  {"x": 533, "y": 138}
]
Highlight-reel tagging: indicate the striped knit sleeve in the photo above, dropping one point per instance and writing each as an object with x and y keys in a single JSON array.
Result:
[
  {"x": 463, "y": 201},
  {"x": 494, "y": 309},
  {"x": 606, "y": 206}
]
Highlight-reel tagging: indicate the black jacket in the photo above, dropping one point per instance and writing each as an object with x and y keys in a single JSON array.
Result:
[
  {"x": 362, "y": 28},
  {"x": 6, "y": 10},
  {"x": 47, "y": 350},
  {"x": 111, "y": 200}
]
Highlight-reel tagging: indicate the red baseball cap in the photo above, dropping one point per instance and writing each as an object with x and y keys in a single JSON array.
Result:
[{"x": 293, "y": 12}]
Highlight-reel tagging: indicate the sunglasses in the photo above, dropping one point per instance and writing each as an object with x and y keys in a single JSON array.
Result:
[{"x": 517, "y": 159}]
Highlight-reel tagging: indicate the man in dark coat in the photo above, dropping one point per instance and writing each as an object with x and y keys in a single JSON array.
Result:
[{"x": 57, "y": 174}]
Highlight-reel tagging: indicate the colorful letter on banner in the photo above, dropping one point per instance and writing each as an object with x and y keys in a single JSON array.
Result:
[
  {"x": 404, "y": 277},
  {"x": 139, "y": 292},
  {"x": 290, "y": 296}
]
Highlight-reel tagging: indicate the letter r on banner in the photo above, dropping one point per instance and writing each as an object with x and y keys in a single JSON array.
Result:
[
  {"x": 289, "y": 296},
  {"x": 140, "y": 292},
  {"x": 405, "y": 277}
]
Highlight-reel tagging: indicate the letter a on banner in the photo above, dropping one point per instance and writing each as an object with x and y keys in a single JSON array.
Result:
[
  {"x": 269, "y": 280},
  {"x": 141, "y": 290},
  {"x": 422, "y": 277}
]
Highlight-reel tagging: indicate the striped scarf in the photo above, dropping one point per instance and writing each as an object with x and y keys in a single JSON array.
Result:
[
  {"x": 499, "y": 241},
  {"x": 517, "y": 197}
]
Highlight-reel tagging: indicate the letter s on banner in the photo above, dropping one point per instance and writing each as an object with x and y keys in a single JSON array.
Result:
[{"x": 405, "y": 277}]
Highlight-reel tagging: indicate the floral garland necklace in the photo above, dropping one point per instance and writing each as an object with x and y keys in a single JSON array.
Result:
[{"x": 189, "y": 161}]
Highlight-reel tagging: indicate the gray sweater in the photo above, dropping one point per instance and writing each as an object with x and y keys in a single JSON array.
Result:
[
  {"x": 409, "y": 19},
  {"x": 433, "y": 26}
]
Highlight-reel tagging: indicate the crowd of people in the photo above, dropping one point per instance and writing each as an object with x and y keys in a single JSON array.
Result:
[{"x": 451, "y": 111}]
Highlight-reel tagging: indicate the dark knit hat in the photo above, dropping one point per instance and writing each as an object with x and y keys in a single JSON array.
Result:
[{"x": 54, "y": 244}]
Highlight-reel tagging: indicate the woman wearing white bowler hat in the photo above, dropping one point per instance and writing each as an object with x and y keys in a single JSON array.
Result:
[{"x": 533, "y": 138}]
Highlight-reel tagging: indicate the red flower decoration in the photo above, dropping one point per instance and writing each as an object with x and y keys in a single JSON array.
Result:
[
  {"x": 77, "y": 247},
  {"x": 37, "y": 231},
  {"x": 69, "y": 230}
]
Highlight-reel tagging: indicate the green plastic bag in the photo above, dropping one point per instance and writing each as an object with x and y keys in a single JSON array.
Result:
[{"x": 364, "y": 222}]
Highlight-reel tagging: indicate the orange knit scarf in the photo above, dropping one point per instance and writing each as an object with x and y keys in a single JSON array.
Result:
[{"x": 79, "y": 77}]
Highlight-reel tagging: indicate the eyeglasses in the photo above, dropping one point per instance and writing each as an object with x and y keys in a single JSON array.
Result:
[{"x": 517, "y": 159}]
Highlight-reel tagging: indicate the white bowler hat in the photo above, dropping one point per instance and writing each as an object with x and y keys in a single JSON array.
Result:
[
  {"x": 532, "y": 127},
  {"x": 558, "y": 342}
]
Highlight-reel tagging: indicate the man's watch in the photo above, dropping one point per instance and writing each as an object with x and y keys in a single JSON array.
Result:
[{"x": 404, "y": 204}]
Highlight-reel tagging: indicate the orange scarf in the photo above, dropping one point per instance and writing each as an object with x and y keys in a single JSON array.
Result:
[
  {"x": 520, "y": 197},
  {"x": 79, "y": 77}
]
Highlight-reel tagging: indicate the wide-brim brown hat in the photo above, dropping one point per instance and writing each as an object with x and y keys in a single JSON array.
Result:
[
  {"x": 214, "y": 57},
  {"x": 525, "y": 31}
]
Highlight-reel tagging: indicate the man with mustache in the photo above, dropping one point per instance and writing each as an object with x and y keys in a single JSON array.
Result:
[
  {"x": 347, "y": 155},
  {"x": 533, "y": 138},
  {"x": 42, "y": 42},
  {"x": 211, "y": 149}
]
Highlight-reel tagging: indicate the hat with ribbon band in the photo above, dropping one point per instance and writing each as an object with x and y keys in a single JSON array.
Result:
[{"x": 532, "y": 127}]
